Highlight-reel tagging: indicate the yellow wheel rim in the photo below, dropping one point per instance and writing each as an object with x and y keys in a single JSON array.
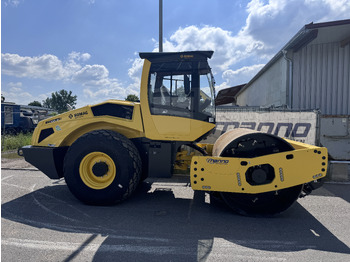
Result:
[{"x": 97, "y": 170}]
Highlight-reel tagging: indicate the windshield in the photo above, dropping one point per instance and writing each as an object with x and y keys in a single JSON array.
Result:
[
  {"x": 184, "y": 89},
  {"x": 207, "y": 94}
]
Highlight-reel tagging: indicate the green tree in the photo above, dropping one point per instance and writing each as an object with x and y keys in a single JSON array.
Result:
[
  {"x": 132, "y": 98},
  {"x": 61, "y": 101},
  {"x": 35, "y": 103}
]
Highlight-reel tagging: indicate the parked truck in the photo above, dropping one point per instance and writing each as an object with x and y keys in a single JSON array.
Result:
[{"x": 15, "y": 119}]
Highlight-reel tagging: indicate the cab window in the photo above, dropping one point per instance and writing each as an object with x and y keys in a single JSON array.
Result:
[{"x": 180, "y": 89}]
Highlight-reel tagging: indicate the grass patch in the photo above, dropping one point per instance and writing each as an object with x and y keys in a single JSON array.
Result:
[
  {"x": 10, "y": 155},
  {"x": 13, "y": 142}
]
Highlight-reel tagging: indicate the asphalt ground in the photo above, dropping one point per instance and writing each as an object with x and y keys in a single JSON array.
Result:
[{"x": 165, "y": 220}]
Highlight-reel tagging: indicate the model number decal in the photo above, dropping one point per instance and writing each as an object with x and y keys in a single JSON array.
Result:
[
  {"x": 217, "y": 161},
  {"x": 53, "y": 120}
]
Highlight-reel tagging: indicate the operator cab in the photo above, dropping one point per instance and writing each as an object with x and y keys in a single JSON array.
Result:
[
  {"x": 181, "y": 85},
  {"x": 177, "y": 96}
]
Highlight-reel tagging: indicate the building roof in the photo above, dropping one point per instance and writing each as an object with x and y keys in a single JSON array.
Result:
[
  {"x": 227, "y": 95},
  {"x": 310, "y": 34}
]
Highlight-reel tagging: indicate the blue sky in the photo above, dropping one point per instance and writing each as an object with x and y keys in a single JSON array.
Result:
[{"x": 91, "y": 46}]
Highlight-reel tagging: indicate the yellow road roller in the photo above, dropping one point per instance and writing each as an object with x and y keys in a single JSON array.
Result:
[{"x": 103, "y": 151}]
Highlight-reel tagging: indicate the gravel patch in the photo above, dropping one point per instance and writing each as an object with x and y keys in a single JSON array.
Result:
[{"x": 9, "y": 162}]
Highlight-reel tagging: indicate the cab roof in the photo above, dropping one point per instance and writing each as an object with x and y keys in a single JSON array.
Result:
[{"x": 177, "y": 56}]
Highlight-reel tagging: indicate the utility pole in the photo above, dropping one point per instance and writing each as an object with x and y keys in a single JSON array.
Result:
[{"x": 160, "y": 26}]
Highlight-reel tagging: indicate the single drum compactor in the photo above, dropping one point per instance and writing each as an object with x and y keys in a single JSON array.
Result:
[{"x": 103, "y": 151}]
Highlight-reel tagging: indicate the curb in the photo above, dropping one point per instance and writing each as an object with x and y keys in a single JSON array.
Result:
[{"x": 25, "y": 168}]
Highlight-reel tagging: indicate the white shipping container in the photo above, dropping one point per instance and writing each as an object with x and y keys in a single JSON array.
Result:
[{"x": 298, "y": 126}]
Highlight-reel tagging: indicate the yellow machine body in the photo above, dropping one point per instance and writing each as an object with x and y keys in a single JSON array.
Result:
[
  {"x": 69, "y": 126},
  {"x": 227, "y": 174}
]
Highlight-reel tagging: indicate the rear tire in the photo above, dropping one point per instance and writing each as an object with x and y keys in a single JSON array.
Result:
[{"x": 102, "y": 167}]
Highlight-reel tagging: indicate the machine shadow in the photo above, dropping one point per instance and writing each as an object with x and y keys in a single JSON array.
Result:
[
  {"x": 334, "y": 190},
  {"x": 156, "y": 226}
]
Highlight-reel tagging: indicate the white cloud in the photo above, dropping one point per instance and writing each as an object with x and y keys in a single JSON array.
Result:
[
  {"x": 136, "y": 69},
  {"x": 95, "y": 79},
  {"x": 91, "y": 74},
  {"x": 47, "y": 67},
  {"x": 79, "y": 56},
  {"x": 98, "y": 86},
  {"x": 15, "y": 92},
  {"x": 111, "y": 89},
  {"x": 14, "y": 85},
  {"x": 238, "y": 55},
  {"x": 14, "y": 3},
  {"x": 229, "y": 49},
  {"x": 274, "y": 22},
  {"x": 269, "y": 25},
  {"x": 134, "y": 73},
  {"x": 240, "y": 76}
]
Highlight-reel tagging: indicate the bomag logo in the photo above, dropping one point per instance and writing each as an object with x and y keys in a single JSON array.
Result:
[
  {"x": 186, "y": 56},
  {"x": 217, "y": 161},
  {"x": 79, "y": 114}
]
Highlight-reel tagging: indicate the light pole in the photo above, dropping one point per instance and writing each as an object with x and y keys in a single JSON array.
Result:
[{"x": 160, "y": 26}]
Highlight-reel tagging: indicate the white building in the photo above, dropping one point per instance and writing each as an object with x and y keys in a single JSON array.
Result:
[{"x": 312, "y": 71}]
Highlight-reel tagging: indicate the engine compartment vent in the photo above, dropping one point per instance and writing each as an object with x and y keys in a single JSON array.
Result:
[
  {"x": 45, "y": 133},
  {"x": 115, "y": 110}
]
